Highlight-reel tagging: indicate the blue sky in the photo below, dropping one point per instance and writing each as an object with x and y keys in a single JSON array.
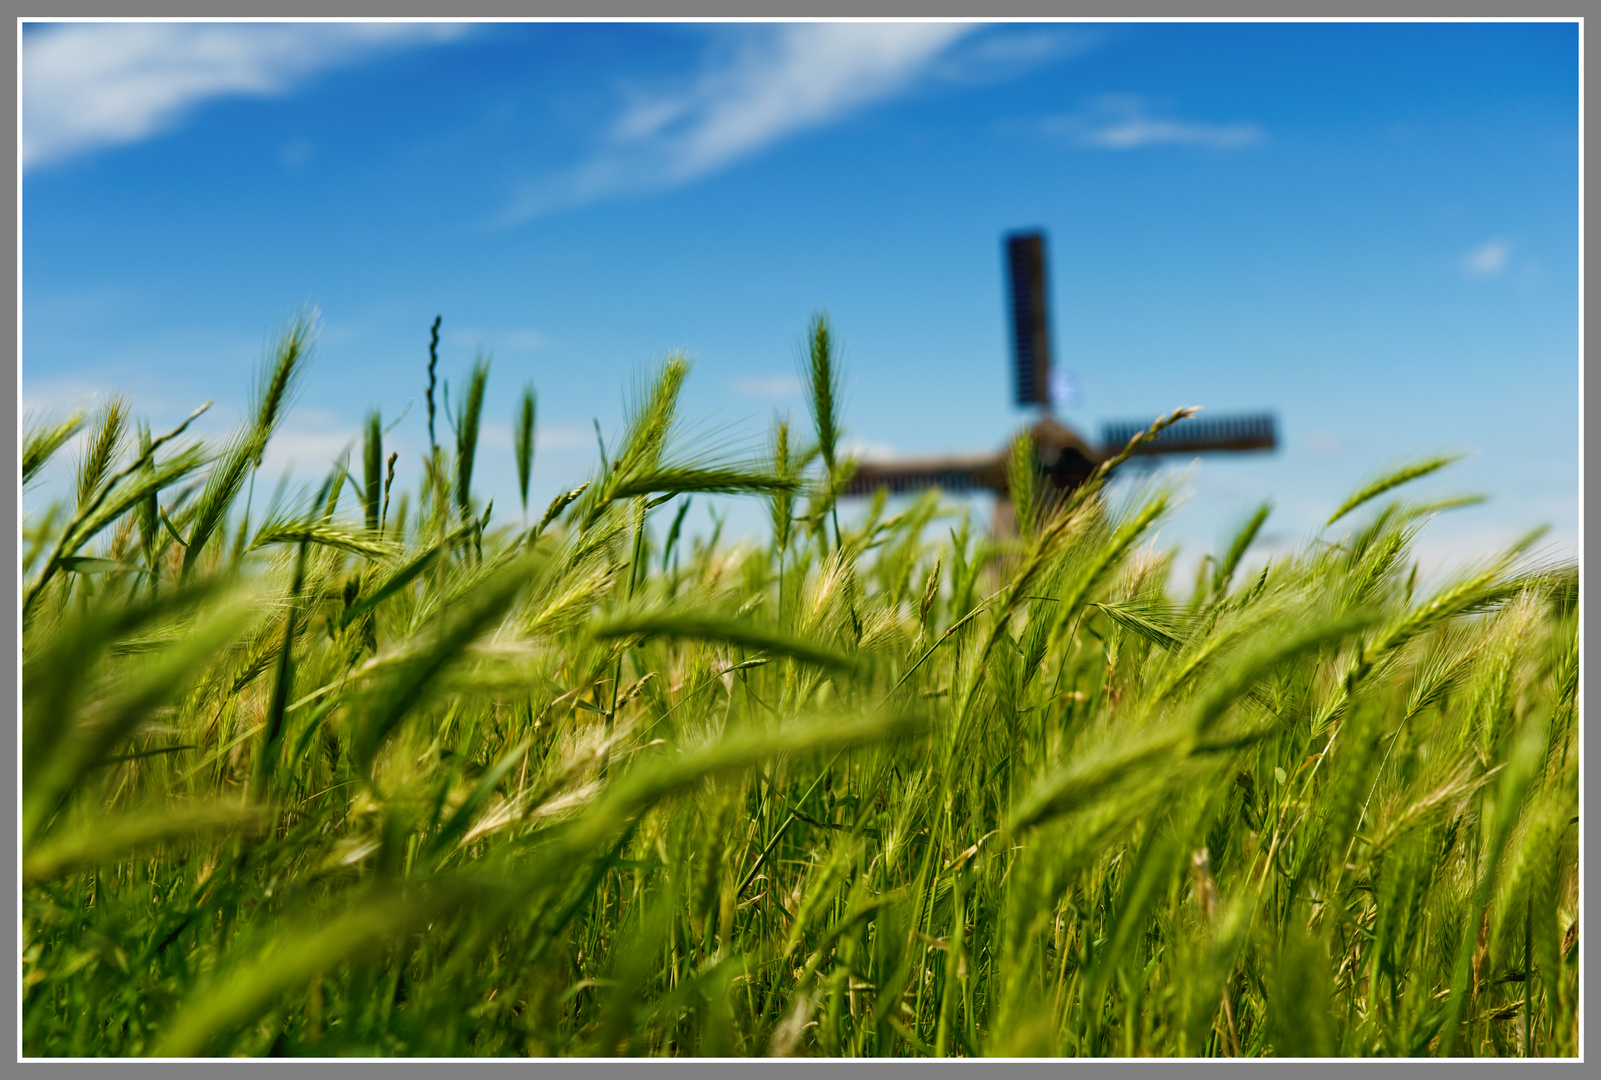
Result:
[{"x": 1369, "y": 229}]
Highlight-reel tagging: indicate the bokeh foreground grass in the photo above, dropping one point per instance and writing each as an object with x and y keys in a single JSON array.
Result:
[{"x": 383, "y": 775}]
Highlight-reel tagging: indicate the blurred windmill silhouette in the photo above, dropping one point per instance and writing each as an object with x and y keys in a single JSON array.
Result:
[{"x": 1063, "y": 456}]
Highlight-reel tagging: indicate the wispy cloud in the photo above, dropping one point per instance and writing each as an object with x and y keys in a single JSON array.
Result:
[
  {"x": 309, "y": 444},
  {"x": 1324, "y": 443},
  {"x": 1125, "y": 122},
  {"x": 866, "y": 448},
  {"x": 523, "y": 340},
  {"x": 1487, "y": 259},
  {"x": 86, "y": 86},
  {"x": 1005, "y": 53},
  {"x": 777, "y": 81},
  {"x": 767, "y": 385},
  {"x": 564, "y": 437},
  {"x": 518, "y": 340}
]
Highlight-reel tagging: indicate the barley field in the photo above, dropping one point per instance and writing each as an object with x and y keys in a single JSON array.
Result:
[{"x": 382, "y": 770}]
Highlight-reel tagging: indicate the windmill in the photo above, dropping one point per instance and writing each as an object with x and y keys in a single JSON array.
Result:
[{"x": 1064, "y": 457}]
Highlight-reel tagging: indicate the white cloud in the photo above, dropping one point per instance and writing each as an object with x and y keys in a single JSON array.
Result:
[
  {"x": 1324, "y": 443},
  {"x": 62, "y": 395},
  {"x": 471, "y": 337},
  {"x": 309, "y": 451},
  {"x": 297, "y": 153},
  {"x": 1487, "y": 259},
  {"x": 309, "y": 442},
  {"x": 523, "y": 340},
  {"x": 767, "y": 385},
  {"x": 868, "y": 449},
  {"x": 564, "y": 437},
  {"x": 1125, "y": 123},
  {"x": 91, "y": 85},
  {"x": 800, "y": 77},
  {"x": 499, "y": 436},
  {"x": 1004, "y": 54},
  {"x": 779, "y": 81}
]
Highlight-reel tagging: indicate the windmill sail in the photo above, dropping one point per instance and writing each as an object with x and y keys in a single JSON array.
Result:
[
  {"x": 1195, "y": 434},
  {"x": 1064, "y": 458},
  {"x": 1031, "y": 324},
  {"x": 978, "y": 472}
]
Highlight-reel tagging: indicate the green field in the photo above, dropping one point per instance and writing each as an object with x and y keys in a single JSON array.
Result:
[{"x": 377, "y": 772}]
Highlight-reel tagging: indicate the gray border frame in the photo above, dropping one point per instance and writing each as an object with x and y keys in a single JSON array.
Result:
[{"x": 724, "y": 9}]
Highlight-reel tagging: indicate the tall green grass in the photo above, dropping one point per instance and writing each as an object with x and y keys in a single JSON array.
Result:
[{"x": 374, "y": 780}]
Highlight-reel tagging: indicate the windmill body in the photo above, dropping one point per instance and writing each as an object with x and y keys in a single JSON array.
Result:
[{"x": 1064, "y": 456}]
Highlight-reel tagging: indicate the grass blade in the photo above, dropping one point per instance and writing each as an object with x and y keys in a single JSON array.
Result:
[{"x": 1391, "y": 480}]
